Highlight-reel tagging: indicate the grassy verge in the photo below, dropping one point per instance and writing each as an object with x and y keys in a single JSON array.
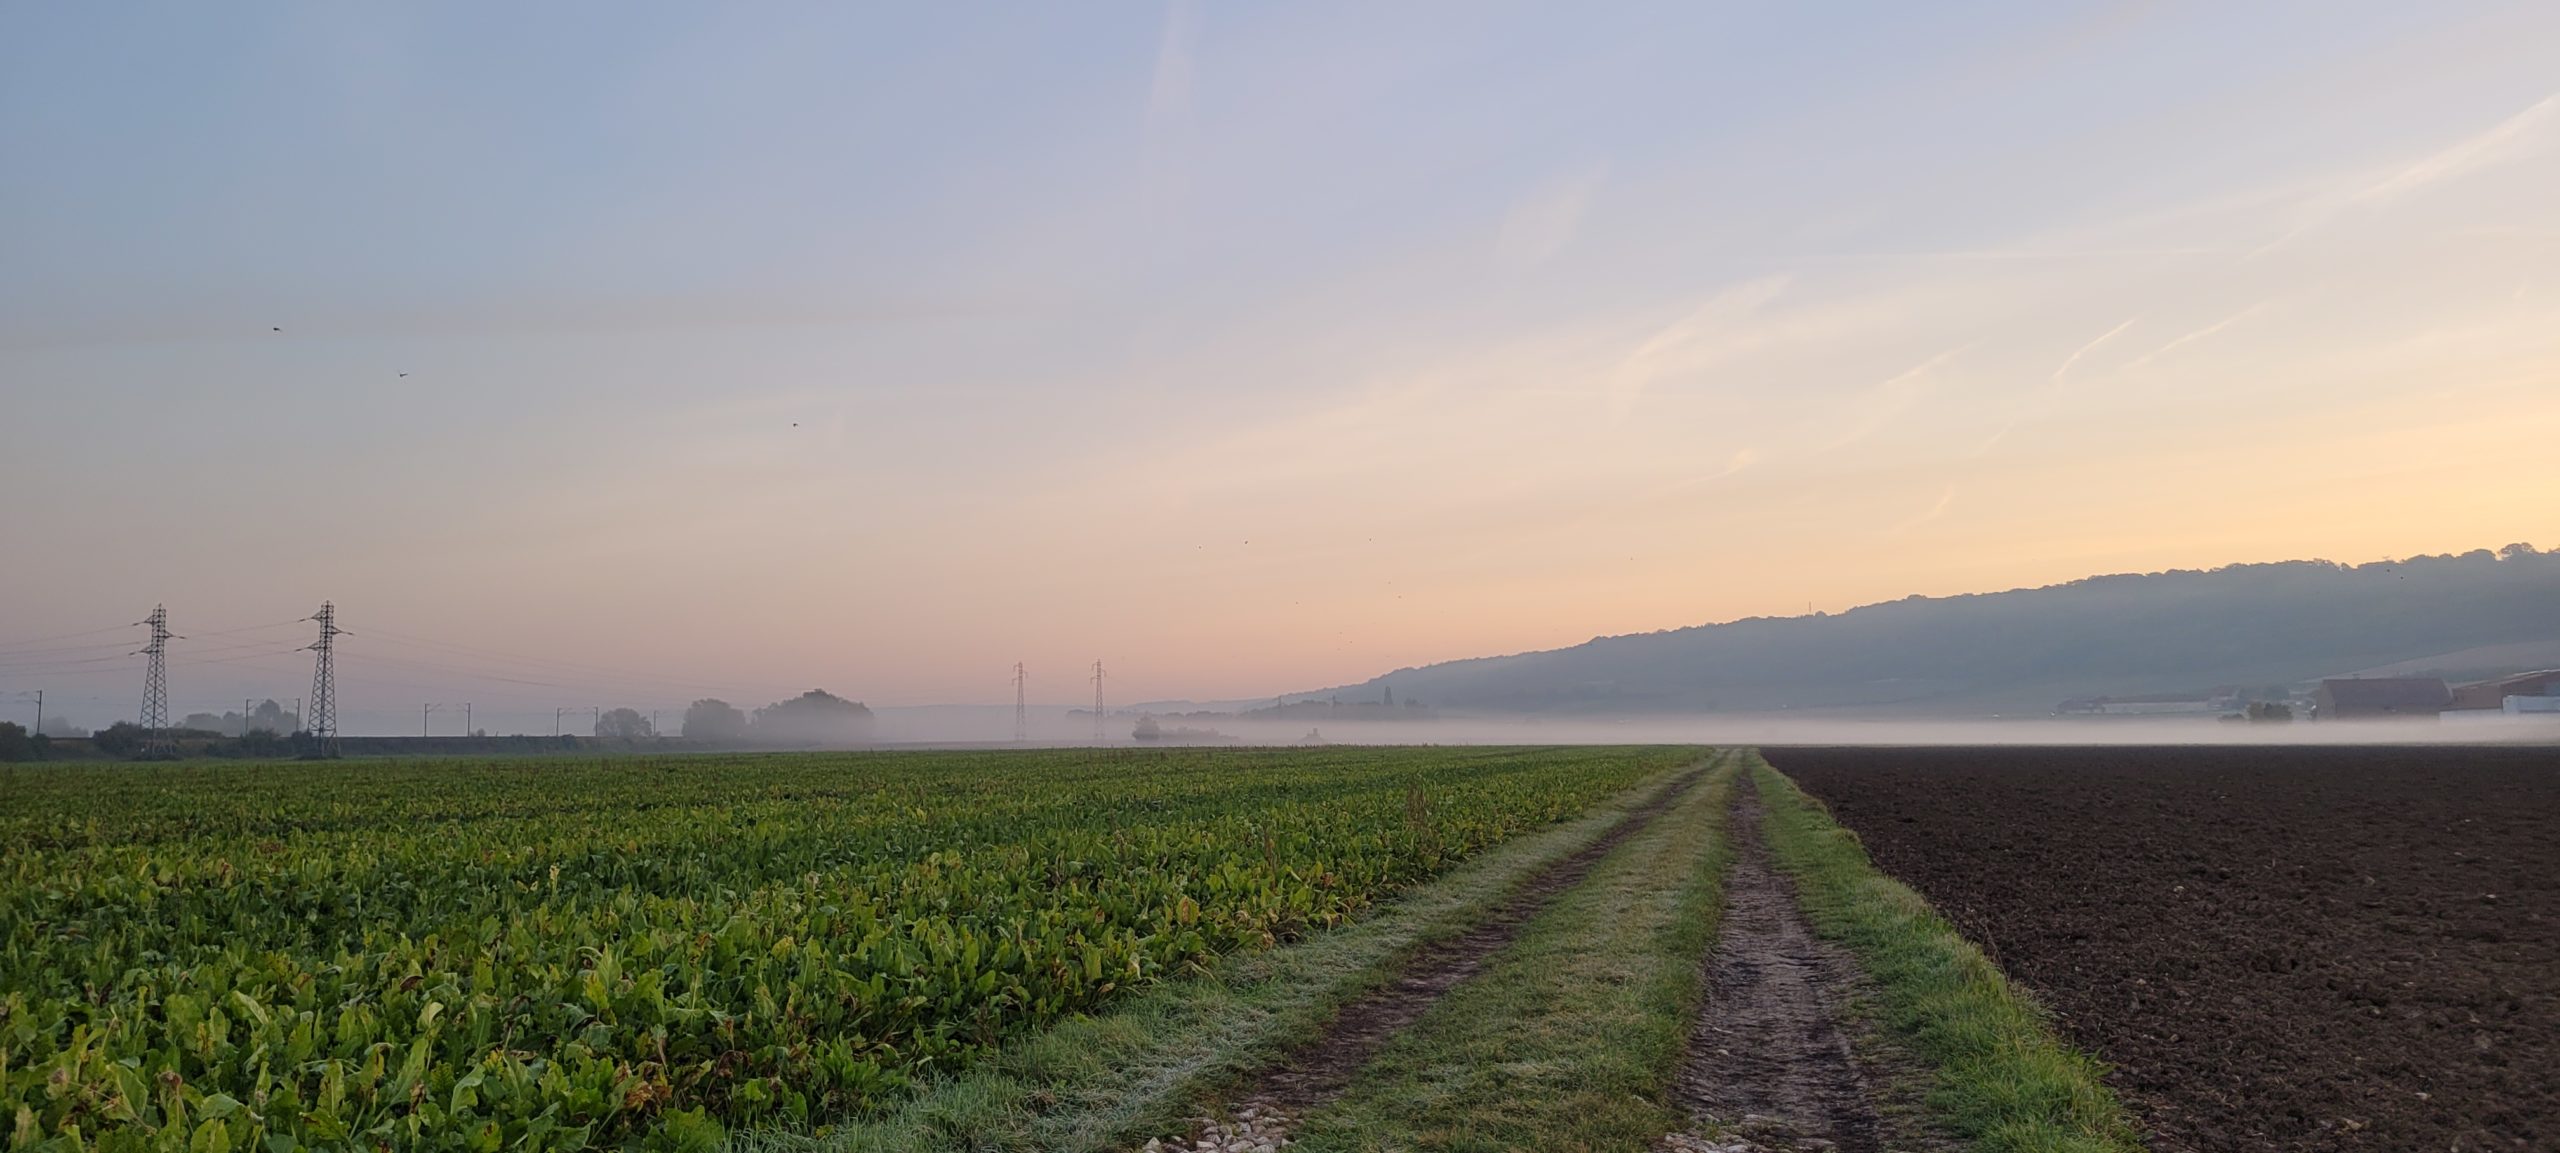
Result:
[
  {"x": 1093, "y": 1083},
  {"x": 2003, "y": 1079},
  {"x": 1570, "y": 1039}
]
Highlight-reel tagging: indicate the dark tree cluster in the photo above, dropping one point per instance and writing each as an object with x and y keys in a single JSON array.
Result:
[
  {"x": 16, "y": 744},
  {"x": 816, "y": 717}
]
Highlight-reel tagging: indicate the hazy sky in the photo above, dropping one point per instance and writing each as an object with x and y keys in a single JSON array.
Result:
[{"x": 1246, "y": 347}]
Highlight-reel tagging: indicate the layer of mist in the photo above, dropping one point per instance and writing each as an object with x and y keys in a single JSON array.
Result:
[{"x": 1050, "y": 728}]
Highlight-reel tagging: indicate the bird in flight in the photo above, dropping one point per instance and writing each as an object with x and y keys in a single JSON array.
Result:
[
  {"x": 404, "y": 374},
  {"x": 277, "y": 329}
]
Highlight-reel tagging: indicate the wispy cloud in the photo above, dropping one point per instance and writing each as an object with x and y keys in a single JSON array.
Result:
[
  {"x": 2090, "y": 347},
  {"x": 1741, "y": 461},
  {"x": 2199, "y": 334},
  {"x": 1938, "y": 508},
  {"x": 2510, "y": 139},
  {"x": 1880, "y": 405},
  {"x": 2018, "y": 413},
  {"x": 1680, "y": 342},
  {"x": 1543, "y": 223},
  {"x": 2023, "y": 253}
]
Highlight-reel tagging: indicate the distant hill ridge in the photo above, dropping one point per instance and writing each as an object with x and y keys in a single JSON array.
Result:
[{"x": 2026, "y": 649}]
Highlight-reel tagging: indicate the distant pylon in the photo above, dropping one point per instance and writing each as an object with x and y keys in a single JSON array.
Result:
[
  {"x": 155, "y": 686},
  {"x": 1097, "y": 702},
  {"x": 1021, "y": 714},
  {"x": 322, "y": 721}
]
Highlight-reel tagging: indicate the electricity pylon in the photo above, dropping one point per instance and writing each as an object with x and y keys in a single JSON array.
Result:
[
  {"x": 156, "y": 741},
  {"x": 1021, "y": 713},
  {"x": 1097, "y": 702},
  {"x": 322, "y": 721}
]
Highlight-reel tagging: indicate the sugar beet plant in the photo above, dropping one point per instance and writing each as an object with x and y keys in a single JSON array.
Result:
[{"x": 521, "y": 955}]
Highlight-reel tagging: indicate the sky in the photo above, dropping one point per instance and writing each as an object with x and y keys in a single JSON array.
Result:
[{"x": 614, "y": 354}]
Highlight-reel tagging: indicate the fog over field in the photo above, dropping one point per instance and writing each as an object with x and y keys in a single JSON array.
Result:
[{"x": 1057, "y": 728}]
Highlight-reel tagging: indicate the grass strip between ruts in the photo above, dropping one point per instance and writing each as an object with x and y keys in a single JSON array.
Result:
[
  {"x": 1095, "y": 1083},
  {"x": 2003, "y": 1079},
  {"x": 1571, "y": 1038}
]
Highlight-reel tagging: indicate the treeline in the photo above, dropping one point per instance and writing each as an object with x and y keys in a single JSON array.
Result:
[
  {"x": 268, "y": 717},
  {"x": 816, "y": 717}
]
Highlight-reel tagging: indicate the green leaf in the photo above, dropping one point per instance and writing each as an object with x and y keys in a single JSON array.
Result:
[{"x": 211, "y": 1137}]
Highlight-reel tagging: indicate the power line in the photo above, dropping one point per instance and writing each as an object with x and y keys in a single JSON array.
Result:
[
  {"x": 64, "y": 652},
  {"x": 552, "y": 666},
  {"x": 1097, "y": 702},
  {"x": 64, "y": 637},
  {"x": 66, "y": 656},
  {"x": 36, "y": 666},
  {"x": 433, "y": 667},
  {"x": 59, "y": 666},
  {"x": 56, "y": 672}
]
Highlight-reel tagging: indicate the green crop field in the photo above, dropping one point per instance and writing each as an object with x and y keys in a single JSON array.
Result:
[{"x": 529, "y": 954}]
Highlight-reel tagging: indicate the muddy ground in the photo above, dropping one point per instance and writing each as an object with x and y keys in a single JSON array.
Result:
[
  {"x": 1776, "y": 1062},
  {"x": 2289, "y": 949}
]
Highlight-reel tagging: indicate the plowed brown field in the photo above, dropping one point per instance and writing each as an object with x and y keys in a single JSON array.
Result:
[{"x": 2296, "y": 949}]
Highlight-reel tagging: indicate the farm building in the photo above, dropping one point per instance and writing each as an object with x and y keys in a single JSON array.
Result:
[
  {"x": 2494, "y": 694},
  {"x": 2369, "y": 697}
]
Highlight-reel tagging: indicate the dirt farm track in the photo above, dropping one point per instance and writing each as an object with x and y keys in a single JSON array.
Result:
[{"x": 2294, "y": 949}]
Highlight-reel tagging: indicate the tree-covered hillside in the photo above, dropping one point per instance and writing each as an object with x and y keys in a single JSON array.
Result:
[{"x": 2024, "y": 650}]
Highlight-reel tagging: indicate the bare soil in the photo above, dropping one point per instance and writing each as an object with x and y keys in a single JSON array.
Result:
[
  {"x": 2285, "y": 949},
  {"x": 1320, "y": 1070},
  {"x": 1777, "y": 1060}
]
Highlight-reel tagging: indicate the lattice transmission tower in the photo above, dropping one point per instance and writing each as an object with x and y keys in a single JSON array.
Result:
[
  {"x": 156, "y": 740},
  {"x": 1021, "y": 712},
  {"x": 1097, "y": 703},
  {"x": 322, "y": 721}
]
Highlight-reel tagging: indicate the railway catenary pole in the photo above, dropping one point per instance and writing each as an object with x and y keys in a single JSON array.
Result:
[
  {"x": 38, "y": 695},
  {"x": 322, "y": 721}
]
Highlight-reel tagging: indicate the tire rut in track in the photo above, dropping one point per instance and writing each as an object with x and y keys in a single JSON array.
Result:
[
  {"x": 1318, "y": 1071},
  {"x": 1774, "y": 1063}
]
